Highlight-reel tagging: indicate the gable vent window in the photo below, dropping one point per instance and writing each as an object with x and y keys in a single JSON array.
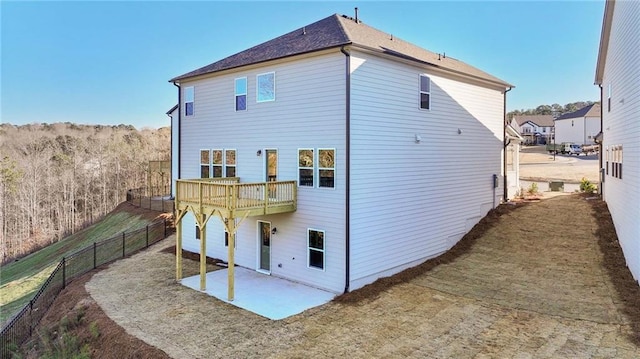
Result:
[
  {"x": 266, "y": 87},
  {"x": 425, "y": 92},
  {"x": 241, "y": 94},
  {"x": 189, "y": 95}
]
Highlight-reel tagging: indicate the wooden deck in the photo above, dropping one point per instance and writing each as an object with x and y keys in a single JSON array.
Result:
[{"x": 232, "y": 199}]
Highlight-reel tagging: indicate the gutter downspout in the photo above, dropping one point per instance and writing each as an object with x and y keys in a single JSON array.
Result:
[
  {"x": 347, "y": 228},
  {"x": 600, "y": 146},
  {"x": 504, "y": 149},
  {"x": 179, "y": 129}
]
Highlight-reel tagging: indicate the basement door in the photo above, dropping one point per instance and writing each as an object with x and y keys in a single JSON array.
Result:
[{"x": 264, "y": 247}]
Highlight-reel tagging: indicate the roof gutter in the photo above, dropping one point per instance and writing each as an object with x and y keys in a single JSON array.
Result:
[
  {"x": 347, "y": 227},
  {"x": 504, "y": 149},
  {"x": 179, "y": 128}
]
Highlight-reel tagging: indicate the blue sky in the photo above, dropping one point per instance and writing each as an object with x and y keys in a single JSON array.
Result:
[{"x": 109, "y": 62}]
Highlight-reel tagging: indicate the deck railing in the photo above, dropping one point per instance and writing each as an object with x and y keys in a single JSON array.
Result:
[{"x": 229, "y": 194}]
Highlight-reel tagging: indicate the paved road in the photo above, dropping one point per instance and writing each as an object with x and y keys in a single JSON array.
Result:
[{"x": 535, "y": 163}]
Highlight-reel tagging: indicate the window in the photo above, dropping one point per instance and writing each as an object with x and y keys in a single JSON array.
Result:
[
  {"x": 425, "y": 92},
  {"x": 326, "y": 167},
  {"x": 197, "y": 232},
  {"x": 204, "y": 164},
  {"x": 230, "y": 163},
  {"x": 607, "y": 157},
  {"x": 609, "y": 99},
  {"x": 216, "y": 163},
  {"x": 241, "y": 94},
  {"x": 188, "y": 101},
  {"x": 266, "y": 87},
  {"x": 544, "y": 129},
  {"x": 315, "y": 240},
  {"x": 616, "y": 161},
  {"x": 305, "y": 167}
]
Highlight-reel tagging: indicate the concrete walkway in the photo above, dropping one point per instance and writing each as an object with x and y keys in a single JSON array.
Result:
[{"x": 538, "y": 284}]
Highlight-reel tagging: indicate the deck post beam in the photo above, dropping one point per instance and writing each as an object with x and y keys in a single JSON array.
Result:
[
  {"x": 178, "y": 250},
  {"x": 203, "y": 256},
  {"x": 231, "y": 228}
]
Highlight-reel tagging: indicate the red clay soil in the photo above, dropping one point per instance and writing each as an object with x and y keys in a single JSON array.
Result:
[{"x": 112, "y": 341}]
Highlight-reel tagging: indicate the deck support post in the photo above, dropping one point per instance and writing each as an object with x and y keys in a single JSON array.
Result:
[
  {"x": 179, "y": 215},
  {"x": 230, "y": 270},
  {"x": 203, "y": 256}
]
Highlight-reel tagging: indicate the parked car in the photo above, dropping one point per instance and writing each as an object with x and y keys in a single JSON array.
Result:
[{"x": 566, "y": 148}]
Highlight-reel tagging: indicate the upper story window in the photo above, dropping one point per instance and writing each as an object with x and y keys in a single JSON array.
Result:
[
  {"x": 204, "y": 164},
  {"x": 305, "y": 167},
  {"x": 266, "y": 87},
  {"x": 241, "y": 94},
  {"x": 425, "y": 92},
  {"x": 609, "y": 98},
  {"x": 326, "y": 167},
  {"x": 230, "y": 163},
  {"x": 189, "y": 96}
]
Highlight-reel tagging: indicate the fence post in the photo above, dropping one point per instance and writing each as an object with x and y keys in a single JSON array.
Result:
[
  {"x": 30, "y": 317},
  {"x": 64, "y": 272},
  {"x": 147, "y": 235},
  {"x": 94, "y": 255}
]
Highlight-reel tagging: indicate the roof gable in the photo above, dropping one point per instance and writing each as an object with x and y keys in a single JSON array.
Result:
[
  {"x": 538, "y": 120},
  {"x": 335, "y": 31},
  {"x": 587, "y": 111}
]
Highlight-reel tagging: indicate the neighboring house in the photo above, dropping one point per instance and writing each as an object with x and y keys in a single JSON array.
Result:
[
  {"x": 618, "y": 75},
  {"x": 334, "y": 155},
  {"x": 512, "y": 167},
  {"x": 580, "y": 126},
  {"x": 534, "y": 129},
  {"x": 173, "y": 113}
]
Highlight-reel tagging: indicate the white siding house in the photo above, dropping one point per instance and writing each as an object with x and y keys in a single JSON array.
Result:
[
  {"x": 618, "y": 75},
  {"x": 397, "y": 152},
  {"x": 534, "y": 129},
  {"x": 580, "y": 126}
]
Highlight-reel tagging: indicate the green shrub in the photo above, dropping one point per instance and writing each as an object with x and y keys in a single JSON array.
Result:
[{"x": 587, "y": 187}]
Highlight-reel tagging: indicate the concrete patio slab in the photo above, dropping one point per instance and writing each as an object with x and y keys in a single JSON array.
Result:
[{"x": 265, "y": 295}]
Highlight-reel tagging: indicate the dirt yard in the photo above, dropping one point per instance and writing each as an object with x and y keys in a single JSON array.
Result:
[
  {"x": 537, "y": 164},
  {"x": 511, "y": 288}
]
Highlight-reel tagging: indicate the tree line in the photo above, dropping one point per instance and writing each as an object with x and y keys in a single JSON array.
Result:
[
  {"x": 58, "y": 178},
  {"x": 555, "y": 110}
]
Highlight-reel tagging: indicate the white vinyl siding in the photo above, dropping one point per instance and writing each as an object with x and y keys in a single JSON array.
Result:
[
  {"x": 621, "y": 127},
  {"x": 411, "y": 201},
  {"x": 579, "y": 130},
  {"x": 300, "y": 118}
]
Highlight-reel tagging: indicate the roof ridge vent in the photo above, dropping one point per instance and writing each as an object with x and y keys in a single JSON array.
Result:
[{"x": 304, "y": 30}]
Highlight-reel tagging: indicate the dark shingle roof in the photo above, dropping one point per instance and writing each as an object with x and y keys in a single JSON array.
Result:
[
  {"x": 539, "y": 120},
  {"x": 587, "y": 111},
  {"x": 336, "y": 31}
]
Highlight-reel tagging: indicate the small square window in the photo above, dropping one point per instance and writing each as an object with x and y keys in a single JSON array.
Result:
[{"x": 266, "y": 87}]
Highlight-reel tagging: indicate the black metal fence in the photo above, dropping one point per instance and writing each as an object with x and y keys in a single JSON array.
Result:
[
  {"x": 20, "y": 328},
  {"x": 153, "y": 198}
]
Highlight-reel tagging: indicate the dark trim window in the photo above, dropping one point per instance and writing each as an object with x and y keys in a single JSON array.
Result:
[
  {"x": 609, "y": 98},
  {"x": 266, "y": 87},
  {"x": 326, "y": 167},
  {"x": 425, "y": 92},
  {"x": 315, "y": 242},
  {"x": 230, "y": 163},
  {"x": 305, "y": 167},
  {"x": 217, "y": 163},
  {"x": 205, "y": 170},
  {"x": 189, "y": 96},
  {"x": 241, "y": 94}
]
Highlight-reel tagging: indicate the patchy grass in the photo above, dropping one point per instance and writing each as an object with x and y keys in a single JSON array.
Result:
[{"x": 20, "y": 280}]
